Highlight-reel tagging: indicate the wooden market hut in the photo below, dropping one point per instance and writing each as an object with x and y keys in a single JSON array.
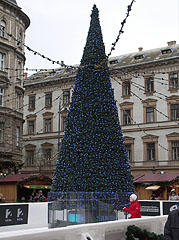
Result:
[
  {"x": 18, "y": 187},
  {"x": 159, "y": 184}
]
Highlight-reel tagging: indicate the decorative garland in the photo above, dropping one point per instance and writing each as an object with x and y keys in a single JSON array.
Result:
[
  {"x": 134, "y": 232},
  {"x": 23, "y": 181}
]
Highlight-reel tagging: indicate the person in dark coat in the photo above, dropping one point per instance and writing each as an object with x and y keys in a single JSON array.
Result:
[
  {"x": 171, "y": 228},
  {"x": 134, "y": 208}
]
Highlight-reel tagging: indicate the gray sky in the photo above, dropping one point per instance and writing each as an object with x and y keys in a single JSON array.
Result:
[{"x": 59, "y": 28}]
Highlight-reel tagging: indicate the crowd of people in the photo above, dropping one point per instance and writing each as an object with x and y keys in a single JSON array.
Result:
[{"x": 37, "y": 197}]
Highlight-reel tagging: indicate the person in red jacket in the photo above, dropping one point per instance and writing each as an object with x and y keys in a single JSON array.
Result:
[{"x": 134, "y": 208}]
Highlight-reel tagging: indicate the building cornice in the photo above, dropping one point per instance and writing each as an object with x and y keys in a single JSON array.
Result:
[{"x": 18, "y": 10}]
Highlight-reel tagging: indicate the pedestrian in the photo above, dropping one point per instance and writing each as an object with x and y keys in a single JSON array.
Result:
[
  {"x": 41, "y": 197},
  {"x": 171, "y": 228},
  {"x": 173, "y": 196},
  {"x": 2, "y": 199},
  {"x": 152, "y": 196},
  {"x": 134, "y": 208},
  {"x": 32, "y": 197}
]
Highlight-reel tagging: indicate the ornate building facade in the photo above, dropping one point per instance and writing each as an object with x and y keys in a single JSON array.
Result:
[
  {"x": 13, "y": 23},
  {"x": 146, "y": 86}
]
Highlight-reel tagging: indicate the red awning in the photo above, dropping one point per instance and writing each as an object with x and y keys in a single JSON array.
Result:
[
  {"x": 16, "y": 177},
  {"x": 137, "y": 176},
  {"x": 150, "y": 178}
]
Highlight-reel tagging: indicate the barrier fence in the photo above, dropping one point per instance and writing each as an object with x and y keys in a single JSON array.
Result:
[{"x": 36, "y": 215}]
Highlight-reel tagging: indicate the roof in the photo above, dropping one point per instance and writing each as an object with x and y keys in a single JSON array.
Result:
[
  {"x": 137, "y": 176},
  {"x": 144, "y": 57},
  {"x": 13, "y": 1},
  {"x": 127, "y": 60},
  {"x": 152, "y": 178},
  {"x": 16, "y": 177}
]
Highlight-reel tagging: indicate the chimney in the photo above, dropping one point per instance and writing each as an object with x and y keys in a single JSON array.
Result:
[
  {"x": 140, "y": 49},
  {"x": 171, "y": 43}
]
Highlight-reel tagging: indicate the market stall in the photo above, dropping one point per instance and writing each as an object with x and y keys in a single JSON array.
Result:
[
  {"x": 156, "y": 186},
  {"x": 18, "y": 187}
]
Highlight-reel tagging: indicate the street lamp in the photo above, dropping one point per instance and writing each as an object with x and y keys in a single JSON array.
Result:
[{"x": 154, "y": 170}]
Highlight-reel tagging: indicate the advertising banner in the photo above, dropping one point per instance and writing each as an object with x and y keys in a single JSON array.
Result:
[
  {"x": 150, "y": 208},
  {"x": 168, "y": 207},
  {"x": 13, "y": 214}
]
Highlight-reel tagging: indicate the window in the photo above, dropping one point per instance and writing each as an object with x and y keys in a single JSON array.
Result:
[
  {"x": 137, "y": 57},
  {"x": 19, "y": 97},
  {"x": 175, "y": 150},
  {"x": 149, "y": 110},
  {"x": 150, "y": 151},
  {"x": 149, "y": 85},
  {"x": 149, "y": 114},
  {"x": 48, "y": 99},
  {"x": 31, "y": 102},
  {"x": 2, "y": 28},
  {"x": 30, "y": 157},
  {"x": 19, "y": 70},
  {"x": 48, "y": 125},
  {"x": 2, "y": 61},
  {"x": 174, "y": 111},
  {"x": 47, "y": 149},
  {"x": 173, "y": 80},
  {"x": 1, "y": 132},
  {"x": 126, "y": 89},
  {"x": 126, "y": 113},
  {"x": 127, "y": 117},
  {"x": 17, "y": 136},
  {"x": 64, "y": 123},
  {"x": 48, "y": 156},
  {"x": 1, "y": 96},
  {"x": 129, "y": 143},
  {"x": 129, "y": 152},
  {"x": 166, "y": 51},
  {"x": 66, "y": 97},
  {"x": 20, "y": 37},
  {"x": 150, "y": 143},
  {"x": 173, "y": 147},
  {"x": 31, "y": 127},
  {"x": 47, "y": 122}
]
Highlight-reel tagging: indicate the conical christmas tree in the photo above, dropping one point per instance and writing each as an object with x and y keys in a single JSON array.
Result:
[{"x": 93, "y": 157}]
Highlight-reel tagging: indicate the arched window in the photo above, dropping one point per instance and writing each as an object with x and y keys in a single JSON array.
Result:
[{"x": 2, "y": 28}]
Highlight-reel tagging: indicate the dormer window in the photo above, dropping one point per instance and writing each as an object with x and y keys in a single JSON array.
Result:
[
  {"x": 113, "y": 62},
  {"x": 137, "y": 57},
  {"x": 166, "y": 51},
  {"x": 116, "y": 61}
]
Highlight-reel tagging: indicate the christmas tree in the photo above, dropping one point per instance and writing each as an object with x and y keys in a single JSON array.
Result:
[{"x": 93, "y": 157}]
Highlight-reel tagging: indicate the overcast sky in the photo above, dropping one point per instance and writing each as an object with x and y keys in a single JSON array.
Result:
[{"x": 59, "y": 28}]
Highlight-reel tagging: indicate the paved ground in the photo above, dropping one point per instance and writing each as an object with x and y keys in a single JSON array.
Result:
[
  {"x": 26, "y": 234},
  {"x": 63, "y": 233}
]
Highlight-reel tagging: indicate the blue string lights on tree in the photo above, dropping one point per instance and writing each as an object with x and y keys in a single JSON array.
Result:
[{"x": 93, "y": 157}]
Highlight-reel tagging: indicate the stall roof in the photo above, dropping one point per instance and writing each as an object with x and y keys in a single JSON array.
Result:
[
  {"x": 150, "y": 178},
  {"x": 16, "y": 177},
  {"x": 137, "y": 176}
]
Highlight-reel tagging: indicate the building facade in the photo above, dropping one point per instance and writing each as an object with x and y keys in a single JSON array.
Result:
[
  {"x": 13, "y": 23},
  {"x": 146, "y": 86},
  {"x": 46, "y": 102}
]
